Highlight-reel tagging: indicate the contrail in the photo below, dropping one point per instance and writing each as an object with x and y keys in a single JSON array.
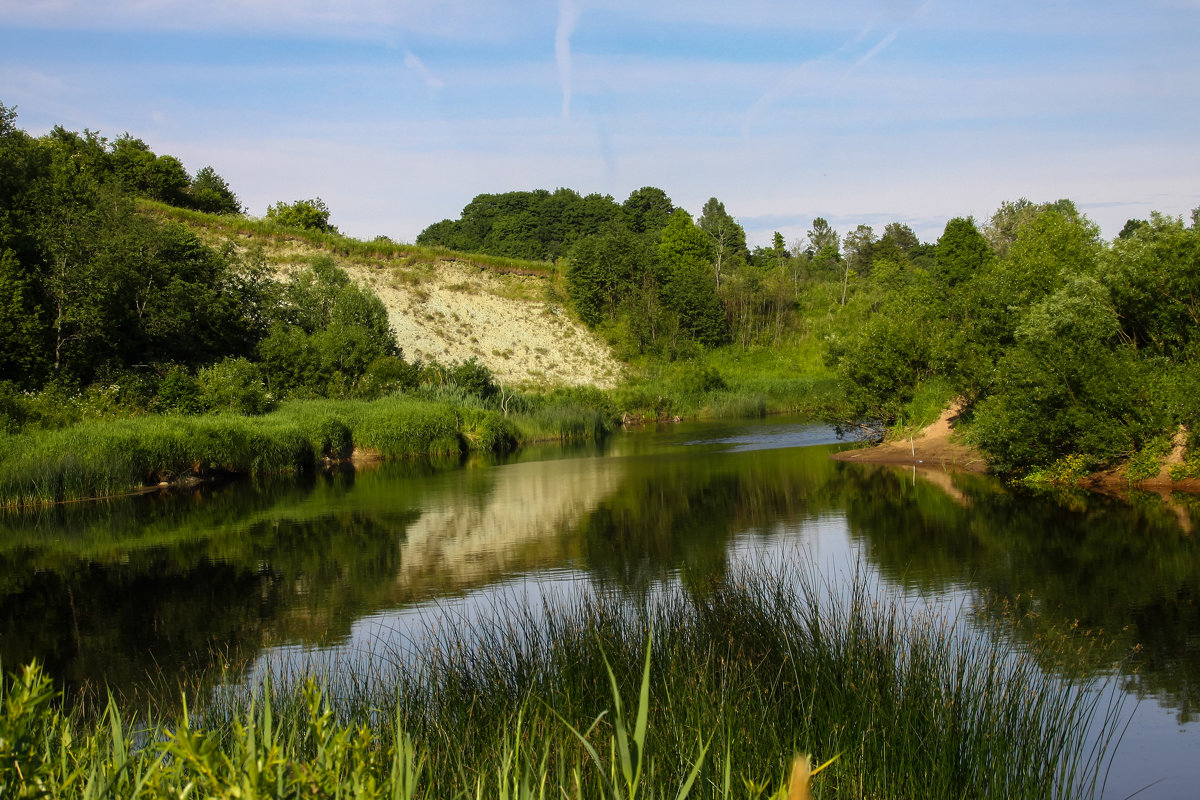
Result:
[
  {"x": 568, "y": 15},
  {"x": 418, "y": 66}
]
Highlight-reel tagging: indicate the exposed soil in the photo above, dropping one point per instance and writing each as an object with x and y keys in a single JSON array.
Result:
[
  {"x": 453, "y": 311},
  {"x": 932, "y": 448},
  {"x": 1116, "y": 481}
]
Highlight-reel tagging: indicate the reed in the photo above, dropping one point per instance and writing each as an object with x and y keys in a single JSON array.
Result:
[{"x": 705, "y": 694}]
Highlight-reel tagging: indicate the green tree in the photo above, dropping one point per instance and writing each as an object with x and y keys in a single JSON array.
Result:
[
  {"x": 602, "y": 270},
  {"x": 822, "y": 237},
  {"x": 647, "y": 210},
  {"x": 132, "y": 161},
  {"x": 1002, "y": 230},
  {"x": 727, "y": 239},
  {"x": 310, "y": 215},
  {"x": 1154, "y": 278},
  {"x": 860, "y": 251},
  {"x": 690, "y": 292},
  {"x": 1066, "y": 386},
  {"x": 327, "y": 334},
  {"x": 961, "y": 251},
  {"x": 23, "y": 328},
  {"x": 210, "y": 193}
]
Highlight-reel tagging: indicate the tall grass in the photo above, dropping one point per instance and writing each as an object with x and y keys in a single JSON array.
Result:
[
  {"x": 699, "y": 695},
  {"x": 112, "y": 457}
]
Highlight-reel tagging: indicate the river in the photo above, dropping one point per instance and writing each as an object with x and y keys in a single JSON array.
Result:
[{"x": 140, "y": 593}]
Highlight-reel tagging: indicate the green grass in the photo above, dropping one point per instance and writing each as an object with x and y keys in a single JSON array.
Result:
[
  {"x": 112, "y": 457},
  {"x": 377, "y": 253},
  {"x": 572, "y": 702},
  {"x": 733, "y": 382}
]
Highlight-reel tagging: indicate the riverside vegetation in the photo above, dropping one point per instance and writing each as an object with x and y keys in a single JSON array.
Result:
[
  {"x": 687, "y": 695},
  {"x": 1066, "y": 353},
  {"x": 133, "y": 353}
]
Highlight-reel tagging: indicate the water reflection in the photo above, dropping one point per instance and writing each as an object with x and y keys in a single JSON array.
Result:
[{"x": 344, "y": 563}]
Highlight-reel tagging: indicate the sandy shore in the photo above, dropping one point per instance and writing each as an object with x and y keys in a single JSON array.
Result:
[{"x": 931, "y": 448}]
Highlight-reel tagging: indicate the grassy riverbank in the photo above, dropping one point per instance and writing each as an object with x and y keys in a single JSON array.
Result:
[
  {"x": 87, "y": 455},
  {"x": 553, "y": 702},
  {"x": 110, "y": 457}
]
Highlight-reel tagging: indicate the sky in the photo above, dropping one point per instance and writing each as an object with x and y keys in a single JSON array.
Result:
[{"x": 398, "y": 112}]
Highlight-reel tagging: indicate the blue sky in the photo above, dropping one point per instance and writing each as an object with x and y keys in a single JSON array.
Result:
[{"x": 397, "y": 113}]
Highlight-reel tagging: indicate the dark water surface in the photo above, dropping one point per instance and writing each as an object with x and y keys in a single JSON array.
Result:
[{"x": 145, "y": 590}]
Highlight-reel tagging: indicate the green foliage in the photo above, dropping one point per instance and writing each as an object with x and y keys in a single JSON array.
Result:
[
  {"x": 823, "y": 237},
  {"x": 179, "y": 392},
  {"x": 1148, "y": 461},
  {"x": 690, "y": 289},
  {"x": 1154, "y": 277},
  {"x": 233, "y": 385},
  {"x": 727, "y": 239},
  {"x": 388, "y": 374},
  {"x": 309, "y": 215},
  {"x": 537, "y": 225},
  {"x": 647, "y": 210},
  {"x": 473, "y": 378},
  {"x": 602, "y": 270},
  {"x": 1064, "y": 348},
  {"x": 327, "y": 334},
  {"x": 961, "y": 252},
  {"x": 881, "y": 366},
  {"x": 210, "y": 193}
]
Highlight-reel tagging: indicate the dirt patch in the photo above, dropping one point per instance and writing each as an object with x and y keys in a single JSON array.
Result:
[
  {"x": 453, "y": 311},
  {"x": 931, "y": 448},
  {"x": 1116, "y": 481}
]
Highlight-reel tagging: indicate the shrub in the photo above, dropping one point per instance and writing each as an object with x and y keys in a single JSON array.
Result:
[
  {"x": 180, "y": 392},
  {"x": 312, "y": 215},
  {"x": 473, "y": 378},
  {"x": 236, "y": 385},
  {"x": 387, "y": 374}
]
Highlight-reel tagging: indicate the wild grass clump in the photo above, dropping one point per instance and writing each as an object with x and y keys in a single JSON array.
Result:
[
  {"x": 566, "y": 423},
  {"x": 100, "y": 459},
  {"x": 755, "y": 668},
  {"x": 707, "y": 694},
  {"x": 728, "y": 405}
]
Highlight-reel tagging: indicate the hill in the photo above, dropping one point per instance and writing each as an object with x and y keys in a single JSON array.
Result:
[{"x": 511, "y": 316}]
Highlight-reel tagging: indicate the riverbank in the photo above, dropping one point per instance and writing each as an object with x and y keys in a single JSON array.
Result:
[
  {"x": 107, "y": 458},
  {"x": 936, "y": 447},
  {"x": 933, "y": 447}
]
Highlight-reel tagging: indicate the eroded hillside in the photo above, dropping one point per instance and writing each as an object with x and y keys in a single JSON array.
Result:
[{"x": 515, "y": 323}]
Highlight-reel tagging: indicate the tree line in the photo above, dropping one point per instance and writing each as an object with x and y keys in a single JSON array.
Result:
[
  {"x": 657, "y": 282},
  {"x": 1069, "y": 353},
  {"x": 104, "y": 304},
  {"x": 1064, "y": 349}
]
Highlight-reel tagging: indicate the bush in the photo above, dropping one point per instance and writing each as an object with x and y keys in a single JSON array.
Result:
[
  {"x": 387, "y": 374},
  {"x": 236, "y": 385},
  {"x": 179, "y": 392},
  {"x": 474, "y": 378},
  {"x": 311, "y": 215},
  {"x": 210, "y": 193}
]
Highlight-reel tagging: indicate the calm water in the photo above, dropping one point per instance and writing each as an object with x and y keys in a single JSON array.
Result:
[{"x": 355, "y": 566}]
